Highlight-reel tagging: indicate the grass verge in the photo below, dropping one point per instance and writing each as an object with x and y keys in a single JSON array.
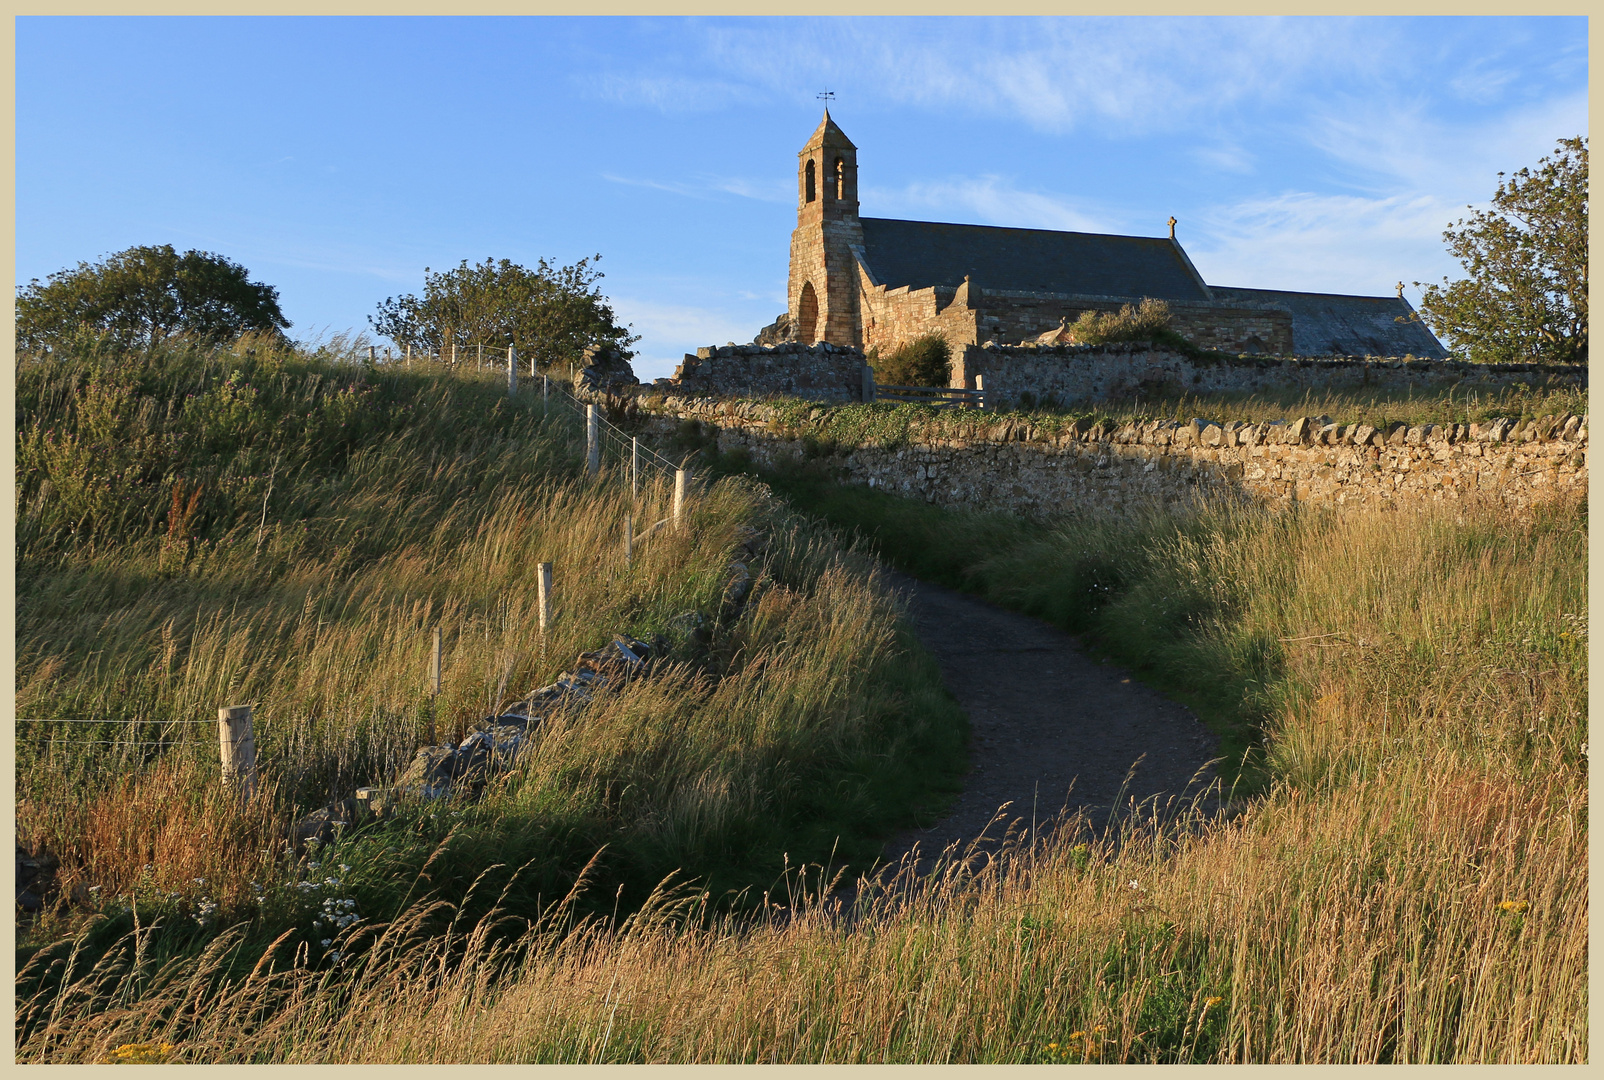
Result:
[{"x": 203, "y": 527}]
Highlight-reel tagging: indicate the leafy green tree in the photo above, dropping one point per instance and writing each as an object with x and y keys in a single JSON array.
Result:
[
  {"x": 549, "y": 313},
  {"x": 145, "y": 294},
  {"x": 1525, "y": 298}
]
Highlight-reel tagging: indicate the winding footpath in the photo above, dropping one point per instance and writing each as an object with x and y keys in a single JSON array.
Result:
[{"x": 1051, "y": 729}]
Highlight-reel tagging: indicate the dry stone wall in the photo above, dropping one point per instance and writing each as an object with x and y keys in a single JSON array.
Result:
[
  {"x": 820, "y": 372},
  {"x": 1017, "y": 375},
  {"x": 1073, "y": 374},
  {"x": 1096, "y": 467}
]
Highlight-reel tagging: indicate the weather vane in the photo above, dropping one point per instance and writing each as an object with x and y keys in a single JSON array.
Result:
[{"x": 827, "y": 97}]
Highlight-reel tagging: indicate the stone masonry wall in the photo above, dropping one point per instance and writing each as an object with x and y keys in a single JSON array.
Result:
[
  {"x": 1070, "y": 374},
  {"x": 1014, "y": 466},
  {"x": 1020, "y": 317},
  {"x": 970, "y": 315},
  {"x": 820, "y": 372},
  {"x": 892, "y": 317}
]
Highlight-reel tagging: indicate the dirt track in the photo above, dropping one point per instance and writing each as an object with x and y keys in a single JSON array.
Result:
[{"x": 1051, "y": 728}]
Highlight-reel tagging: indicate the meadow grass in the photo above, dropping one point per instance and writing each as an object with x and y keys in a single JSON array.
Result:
[
  {"x": 810, "y": 724},
  {"x": 1410, "y": 885},
  {"x": 886, "y": 423}
]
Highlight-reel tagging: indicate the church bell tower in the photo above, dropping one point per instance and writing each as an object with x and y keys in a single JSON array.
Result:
[{"x": 823, "y": 287}]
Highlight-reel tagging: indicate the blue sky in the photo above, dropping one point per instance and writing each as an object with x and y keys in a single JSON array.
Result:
[{"x": 336, "y": 158}]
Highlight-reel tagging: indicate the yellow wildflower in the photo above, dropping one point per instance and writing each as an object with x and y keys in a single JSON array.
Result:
[
  {"x": 1209, "y": 1003},
  {"x": 1513, "y": 907},
  {"x": 140, "y": 1053}
]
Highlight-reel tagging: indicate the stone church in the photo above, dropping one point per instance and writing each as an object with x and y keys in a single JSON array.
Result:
[{"x": 878, "y": 282}]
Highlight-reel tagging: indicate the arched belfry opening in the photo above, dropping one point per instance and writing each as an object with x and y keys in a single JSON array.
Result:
[
  {"x": 807, "y": 315},
  {"x": 840, "y": 179},
  {"x": 808, "y": 184}
]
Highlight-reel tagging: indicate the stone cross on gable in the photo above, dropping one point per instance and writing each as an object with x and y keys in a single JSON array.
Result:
[
  {"x": 1400, "y": 290},
  {"x": 1172, "y": 226}
]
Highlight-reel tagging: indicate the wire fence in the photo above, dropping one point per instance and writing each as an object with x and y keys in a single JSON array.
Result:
[{"x": 607, "y": 445}]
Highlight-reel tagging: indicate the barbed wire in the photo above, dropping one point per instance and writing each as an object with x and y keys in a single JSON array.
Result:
[
  {"x": 116, "y": 742},
  {"x": 625, "y": 443},
  {"x": 107, "y": 720}
]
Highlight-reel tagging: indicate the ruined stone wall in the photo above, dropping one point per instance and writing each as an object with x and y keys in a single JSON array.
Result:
[
  {"x": 1071, "y": 374},
  {"x": 820, "y": 372},
  {"x": 893, "y": 317},
  {"x": 1014, "y": 466},
  {"x": 1233, "y": 330},
  {"x": 1014, "y": 317},
  {"x": 970, "y": 315}
]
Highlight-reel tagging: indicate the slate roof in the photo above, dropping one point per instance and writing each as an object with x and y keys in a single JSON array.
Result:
[
  {"x": 1326, "y": 323},
  {"x": 925, "y": 253}
]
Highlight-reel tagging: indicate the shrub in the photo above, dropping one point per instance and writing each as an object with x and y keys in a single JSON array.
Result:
[
  {"x": 924, "y": 361},
  {"x": 1149, "y": 321}
]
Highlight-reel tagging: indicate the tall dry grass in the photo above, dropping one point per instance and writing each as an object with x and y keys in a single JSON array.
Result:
[
  {"x": 1411, "y": 889},
  {"x": 312, "y": 596}
]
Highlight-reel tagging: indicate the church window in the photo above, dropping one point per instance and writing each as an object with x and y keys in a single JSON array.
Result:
[
  {"x": 809, "y": 182},
  {"x": 840, "y": 179}
]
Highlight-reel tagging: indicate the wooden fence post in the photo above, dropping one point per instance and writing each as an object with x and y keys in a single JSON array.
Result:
[
  {"x": 634, "y": 466},
  {"x": 236, "y": 741},
  {"x": 544, "y": 599},
  {"x": 409, "y": 355},
  {"x": 373, "y": 354},
  {"x": 481, "y": 354},
  {"x": 592, "y": 441},
  {"x": 512, "y": 372},
  {"x": 453, "y": 354},
  {"x": 681, "y": 478},
  {"x": 868, "y": 383}
]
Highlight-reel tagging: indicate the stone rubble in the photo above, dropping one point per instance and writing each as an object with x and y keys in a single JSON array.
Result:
[{"x": 462, "y": 771}]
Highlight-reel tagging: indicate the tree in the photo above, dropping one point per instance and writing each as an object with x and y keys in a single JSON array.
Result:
[
  {"x": 144, "y": 294},
  {"x": 924, "y": 361},
  {"x": 549, "y": 314},
  {"x": 1526, "y": 295}
]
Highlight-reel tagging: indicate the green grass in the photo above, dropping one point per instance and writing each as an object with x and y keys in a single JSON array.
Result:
[
  {"x": 828, "y": 428},
  {"x": 342, "y": 512},
  {"x": 1411, "y": 888},
  {"x": 1124, "y": 588},
  {"x": 1410, "y": 885}
]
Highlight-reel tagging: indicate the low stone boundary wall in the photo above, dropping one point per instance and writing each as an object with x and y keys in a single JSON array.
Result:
[
  {"x": 820, "y": 372},
  {"x": 1017, "y": 375},
  {"x": 1012, "y": 465},
  {"x": 1070, "y": 374}
]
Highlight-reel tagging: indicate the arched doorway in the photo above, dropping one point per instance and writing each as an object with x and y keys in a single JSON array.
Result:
[{"x": 807, "y": 314}]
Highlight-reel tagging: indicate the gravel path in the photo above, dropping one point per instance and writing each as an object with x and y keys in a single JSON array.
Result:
[{"x": 1050, "y": 727}]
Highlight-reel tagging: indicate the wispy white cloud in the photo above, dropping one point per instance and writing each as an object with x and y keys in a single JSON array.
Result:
[
  {"x": 1130, "y": 76},
  {"x": 667, "y": 93},
  {"x": 669, "y": 331},
  {"x": 1323, "y": 243},
  {"x": 705, "y": 186},
  {"x": 1231, "y": 159},
  {"x": 1403, "y": 143},
  {"x": 986, "y": 200}
]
